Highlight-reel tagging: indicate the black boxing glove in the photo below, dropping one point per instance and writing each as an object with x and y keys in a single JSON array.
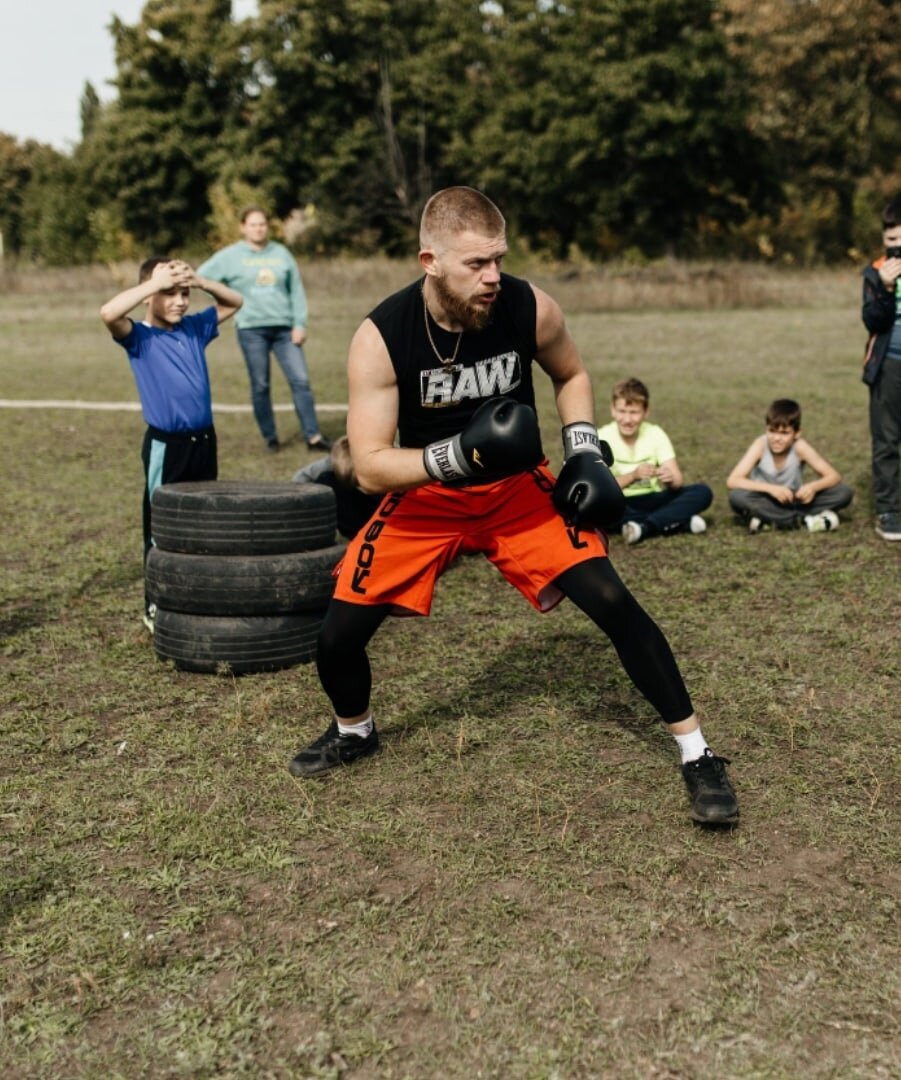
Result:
[
  {"x": 501, "y": 439},
  {"x": 587, "y": 492}
]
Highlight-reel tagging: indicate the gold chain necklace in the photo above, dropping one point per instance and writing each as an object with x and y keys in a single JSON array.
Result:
[{"x": 446, "y": 361}]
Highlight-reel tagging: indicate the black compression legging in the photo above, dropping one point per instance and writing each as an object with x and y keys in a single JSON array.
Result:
[
  {"x": 594, "y": 586},
  {"x": 341, "y": 654}
]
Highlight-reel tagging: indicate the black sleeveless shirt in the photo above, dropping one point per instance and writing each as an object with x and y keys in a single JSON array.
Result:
[{"x": 437, "y": 401}]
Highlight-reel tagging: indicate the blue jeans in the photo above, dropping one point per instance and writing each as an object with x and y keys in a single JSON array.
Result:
[
  {"x": 670, "y": 510},
  {"x": 256, "y": 344}
]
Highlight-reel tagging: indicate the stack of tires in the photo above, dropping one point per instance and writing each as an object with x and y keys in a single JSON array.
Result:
[{"x": 241, "y": 573}]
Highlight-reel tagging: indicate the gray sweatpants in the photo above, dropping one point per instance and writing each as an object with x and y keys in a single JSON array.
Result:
[{"x": 750, "y": 504}]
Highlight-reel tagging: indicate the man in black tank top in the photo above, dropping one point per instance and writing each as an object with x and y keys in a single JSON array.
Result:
[{"x": 441, "y": 418}]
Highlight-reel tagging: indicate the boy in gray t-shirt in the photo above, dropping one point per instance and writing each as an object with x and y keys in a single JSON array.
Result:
[{"x": 767, "y": 486}]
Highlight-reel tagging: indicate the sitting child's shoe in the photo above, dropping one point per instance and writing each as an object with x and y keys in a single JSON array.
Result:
[
  {"x": 697, "y": 524},
  {"x": 827, "y": 521},
  {"x": 756, "y": 525},
  {"x": 332, "y": 749},
  {"x": 632, "y": 532},
  {"x": 713, "y": 799}
]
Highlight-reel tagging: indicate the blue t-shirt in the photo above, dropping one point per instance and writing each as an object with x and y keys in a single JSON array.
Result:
[{"x": 170, "y": 371}]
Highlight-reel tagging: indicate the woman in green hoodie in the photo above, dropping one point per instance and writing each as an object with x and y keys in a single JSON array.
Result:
[{"x": 272, "y": 320}]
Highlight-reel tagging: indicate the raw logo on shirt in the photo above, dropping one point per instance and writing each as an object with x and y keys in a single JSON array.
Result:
[{"x": 453, "y": 383}]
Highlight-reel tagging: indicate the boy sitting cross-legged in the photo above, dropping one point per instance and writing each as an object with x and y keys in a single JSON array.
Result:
[
  {"x": 767, "y": 486},
  {"x": 658, "y": 501}
]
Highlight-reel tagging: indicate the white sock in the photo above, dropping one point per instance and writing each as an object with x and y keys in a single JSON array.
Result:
[
  {"x": 361, "y": 730},
  {"x": 692, "y": 745}
]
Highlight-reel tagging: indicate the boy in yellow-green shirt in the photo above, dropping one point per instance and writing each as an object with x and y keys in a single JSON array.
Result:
[{"x": 658, "y": 501}]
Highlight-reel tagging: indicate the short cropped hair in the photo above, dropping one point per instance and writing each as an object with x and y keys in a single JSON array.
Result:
[
  {"x": 891, "y": 215},
  {"x": 248, "y": 210},
  {"x": 342, "y": 463},
  {"x": 784, "y": 412},
  {"x": 632, "y": 391},
  {"x": 454, "y": 210},
  {"x": 145, "y": 273}
]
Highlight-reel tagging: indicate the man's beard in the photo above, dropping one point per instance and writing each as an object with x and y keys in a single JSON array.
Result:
[{"x": 469, "y": 313}]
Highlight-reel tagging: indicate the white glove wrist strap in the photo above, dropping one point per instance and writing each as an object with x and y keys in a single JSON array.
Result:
[
  {"x": 444, "y": 460},
  {"x": 580, "y": 438}
]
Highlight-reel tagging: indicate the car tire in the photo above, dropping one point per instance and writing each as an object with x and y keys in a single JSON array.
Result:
[
  {"x": 242, "y": 585},
  {"x": 235, "y": 645},
  {"x": 235, "y": 517}
]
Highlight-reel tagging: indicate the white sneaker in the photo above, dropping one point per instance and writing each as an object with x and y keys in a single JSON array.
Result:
[
  {"x": 149, "y": 617},
  {"x": 697, "y": 524},
  {"x": 755, "y": 525},
  {"x": 632, "y": 532},
  {"x": 827, "y": 521}
]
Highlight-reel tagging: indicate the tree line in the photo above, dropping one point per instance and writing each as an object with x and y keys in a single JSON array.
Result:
[{"x": 603, "y": 128}]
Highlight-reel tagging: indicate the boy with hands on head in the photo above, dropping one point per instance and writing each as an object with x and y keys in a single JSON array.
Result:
[{"x": 167, "y": 353}]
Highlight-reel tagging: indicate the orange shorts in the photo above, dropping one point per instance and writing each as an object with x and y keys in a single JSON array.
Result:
[{"x": 415, "y": 535}]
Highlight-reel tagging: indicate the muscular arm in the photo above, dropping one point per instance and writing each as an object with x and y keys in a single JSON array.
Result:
[
  {"x": 558, "y": 356},
  {"x": 372, "y": 418}
]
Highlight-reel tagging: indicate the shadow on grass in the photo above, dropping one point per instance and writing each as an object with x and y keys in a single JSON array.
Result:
[
  {"x": 25, "y": 618},
  {"x": 577, "y": 674},
  {"x": 20, "y": 617}
]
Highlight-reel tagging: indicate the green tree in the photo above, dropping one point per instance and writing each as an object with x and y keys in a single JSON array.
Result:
[
  {"x": 43, "y": 212},
  {"x": 615, "y": 125},
  {"x": 55, "y": 223},
  {"x": 355, "y": 104},
  {"x": 156, "y": 150},
  {"x": 15, "y": 171},
  {"x": 826, "y": 93},
  {"x": 89, "y": 109}
]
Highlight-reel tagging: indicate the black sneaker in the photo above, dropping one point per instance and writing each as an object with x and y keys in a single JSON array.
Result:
[
  {"x": 320, "y": 442},
  {"x": 713, "y": 800},
  {"x": 332, "y": 749},
  {"x": 888, "y": 526},
  {"x": 273, "y": 446}
]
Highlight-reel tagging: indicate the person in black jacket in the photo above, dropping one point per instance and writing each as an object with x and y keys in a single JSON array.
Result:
[{"x": 882, "y": 371}]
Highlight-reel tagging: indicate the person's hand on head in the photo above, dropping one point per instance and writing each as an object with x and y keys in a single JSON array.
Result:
[
  {"x": 183, "y": 272},
  {"x": 164, "y": 276}
]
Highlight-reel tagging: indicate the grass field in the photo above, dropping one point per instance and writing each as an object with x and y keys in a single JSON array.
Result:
[{"x": 512, "y": 888}]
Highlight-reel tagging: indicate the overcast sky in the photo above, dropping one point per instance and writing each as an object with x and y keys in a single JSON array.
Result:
[{"x": 49, "y": 48}]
